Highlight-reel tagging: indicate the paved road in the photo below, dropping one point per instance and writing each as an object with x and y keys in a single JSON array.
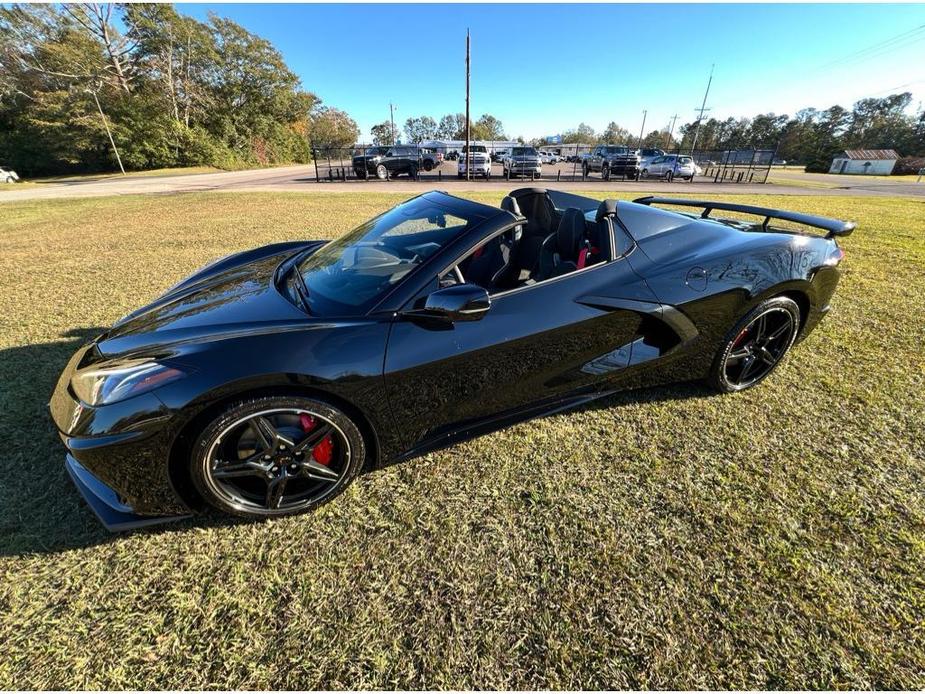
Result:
[
  {"x": 302, "y": 179},
  {"x": 856, "y": 184}
]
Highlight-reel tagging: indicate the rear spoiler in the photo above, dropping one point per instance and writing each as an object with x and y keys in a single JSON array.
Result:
[{"x": 833, "y": 227}]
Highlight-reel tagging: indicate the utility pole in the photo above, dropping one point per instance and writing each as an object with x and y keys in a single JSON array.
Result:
[
  {"x": 468, "y": 127},
  {"x": 674, "y": 119},
  {"x": 392, "y": 120},
  {"x": 643, "y": 128},
  {"x": 108, "y": 132},
  {"x": 703, "y": 107}
]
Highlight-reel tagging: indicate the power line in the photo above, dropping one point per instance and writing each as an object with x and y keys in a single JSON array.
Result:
[{"x": 902, "y": 40}]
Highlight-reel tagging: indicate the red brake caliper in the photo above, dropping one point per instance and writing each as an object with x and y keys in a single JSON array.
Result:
[
  {"x": 740, "y": 338},
  {"x": 324, "y": 449}
]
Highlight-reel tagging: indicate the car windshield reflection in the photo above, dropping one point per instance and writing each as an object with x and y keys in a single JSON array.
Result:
[{"x": 349, "y": 275}]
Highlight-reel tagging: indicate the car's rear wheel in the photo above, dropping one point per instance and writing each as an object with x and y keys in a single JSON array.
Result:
[
  {"x": 428, "y": 165},
  {"x": 668, "y": 176},
  {"x": 584, "y": 170},
  {"x": 644, "y": 173},
  {"x": 756, "y": 345},
  {"x": 382, "y": 173},
  {"x": 276, "y": 456},
  {"x": 605, "y": 172}
]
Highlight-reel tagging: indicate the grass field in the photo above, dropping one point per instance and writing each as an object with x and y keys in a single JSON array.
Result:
[
  {"x": 660, "y": 538},
  {"x": 179, "y": 171}
]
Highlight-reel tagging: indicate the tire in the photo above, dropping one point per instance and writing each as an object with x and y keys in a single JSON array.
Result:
[
  {"x": 382, "y": 173},
  {"x": 362, "y": 174},
  {"x": 668, "y": 176},
  {"x": 487, "y": 175},
  {"x": 428, "y": 165},
  {"x": 644, "y": 174},
  {"x": 250, "y": 482},
  {"x": 584, "y": 170},
  {"x": 459, "y": 175},
  {"x": 413, "y": 173},
  {"x": 605, "y": 172},
  {"x": 739, "y": 351}
]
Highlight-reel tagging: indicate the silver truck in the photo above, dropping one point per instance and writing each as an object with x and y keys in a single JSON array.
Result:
[{"x": 522, "y": 161}]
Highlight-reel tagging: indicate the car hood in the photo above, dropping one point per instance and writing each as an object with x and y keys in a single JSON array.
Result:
[{"x": 234, "y": 296}]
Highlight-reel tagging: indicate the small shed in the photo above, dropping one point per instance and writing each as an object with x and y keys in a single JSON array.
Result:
[{"x": 865, "y": 162}]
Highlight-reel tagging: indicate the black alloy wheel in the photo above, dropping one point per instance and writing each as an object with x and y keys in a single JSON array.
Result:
[
  {"x": 275, "y": 456},
  {"x": 757, "y": 344}
]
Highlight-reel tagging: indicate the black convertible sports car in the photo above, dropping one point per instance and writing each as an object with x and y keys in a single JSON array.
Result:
[{"x": 264, "y": 383}]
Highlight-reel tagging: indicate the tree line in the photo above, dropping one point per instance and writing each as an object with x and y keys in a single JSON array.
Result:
[
  {"x": 171, "y": 90},
  {"x": 81, "y": 82},
  {"x": 451, "y": 127},
  {"x": 811, "y": 137}
]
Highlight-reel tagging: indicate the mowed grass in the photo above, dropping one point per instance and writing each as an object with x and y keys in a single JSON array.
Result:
[{"x": 660, "y": 538}]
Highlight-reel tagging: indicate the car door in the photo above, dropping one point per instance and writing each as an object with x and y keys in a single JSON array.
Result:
[{"x": 536, "y": 344}]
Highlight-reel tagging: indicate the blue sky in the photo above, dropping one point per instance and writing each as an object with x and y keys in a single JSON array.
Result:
[{"x": 544, "y": 68}]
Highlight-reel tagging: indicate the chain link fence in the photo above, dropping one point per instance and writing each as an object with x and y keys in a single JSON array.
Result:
[{"x": 571, "y": 163}]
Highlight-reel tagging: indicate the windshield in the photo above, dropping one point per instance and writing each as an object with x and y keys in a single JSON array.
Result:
[
  {"x": 349, "y": 275},
  {"x": 475, "y": 148},
  {"x": 523, "y": 151}
]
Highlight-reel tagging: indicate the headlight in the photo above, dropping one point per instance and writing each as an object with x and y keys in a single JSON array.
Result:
[{"x": 107, "y": 384}]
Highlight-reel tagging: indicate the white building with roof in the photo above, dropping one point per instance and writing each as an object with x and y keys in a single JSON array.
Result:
[{"x": 865, "y": 162}]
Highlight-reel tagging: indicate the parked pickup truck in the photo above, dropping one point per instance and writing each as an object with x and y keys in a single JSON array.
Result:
[
  {"x": 522, "y": 161},
  {"x": 430, "y": 158},
  {"x": 481, "y": 162},
  {"x": 612, "y": 160}
]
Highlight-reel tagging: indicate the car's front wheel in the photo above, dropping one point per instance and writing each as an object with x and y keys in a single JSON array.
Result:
[
  {"x": 755, "y": 345},
  {"x": 382, "y": 173},
  {"x": 605, "y": 172},
  {"x": 276, "y": 456}
]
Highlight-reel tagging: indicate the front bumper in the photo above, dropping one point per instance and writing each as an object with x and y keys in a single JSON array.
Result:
[
  {"x": 123, "y": 448},
  {"x": 110, "y": 509},
  {"x": 476, "y": 168},
  {"x": 525, "y": 168}
]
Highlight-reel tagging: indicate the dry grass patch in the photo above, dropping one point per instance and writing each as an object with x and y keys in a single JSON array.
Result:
[{"x": 661, "y": 538}]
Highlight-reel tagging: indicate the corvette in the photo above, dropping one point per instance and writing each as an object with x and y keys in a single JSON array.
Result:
[{"x": 264, "y": 383}]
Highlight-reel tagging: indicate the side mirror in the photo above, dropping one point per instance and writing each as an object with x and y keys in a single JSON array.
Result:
[{"x": 461, "y": 302}]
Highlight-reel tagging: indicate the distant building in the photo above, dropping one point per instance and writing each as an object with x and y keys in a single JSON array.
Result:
[
  {"x": 865, "y": 161},
  {"x": 445, "y": 146}
]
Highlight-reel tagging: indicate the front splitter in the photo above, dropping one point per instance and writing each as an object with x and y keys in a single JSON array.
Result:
[{"x": 115, "y": 515}]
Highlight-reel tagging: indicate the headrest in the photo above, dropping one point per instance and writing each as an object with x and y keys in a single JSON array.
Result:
[
  {"x": 607, "y": 208},
  {"x": 510, "y": 205},
  {"x": 571, "y": 232}
]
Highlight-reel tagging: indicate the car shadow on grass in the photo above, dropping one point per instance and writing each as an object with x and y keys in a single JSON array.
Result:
[{"x": 42, "y": 512}]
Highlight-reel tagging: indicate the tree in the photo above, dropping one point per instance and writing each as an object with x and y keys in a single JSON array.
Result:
[
  {"x": 420, "y": 129},
  {"x": 615, "y": 134},
  {"x": 583, "y": 134},
  {"x": 332, "y": 128},
  {"x": 488, "y": 128},
  {"x": 174, "y": 91},
  {"x": 382, "y": 133},
  {"x": 452, "y": 127}
]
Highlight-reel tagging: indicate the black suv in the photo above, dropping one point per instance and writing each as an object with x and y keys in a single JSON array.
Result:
[
  {"x": 612, "y": 160},
  {"x": 386, "y": 162}
]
